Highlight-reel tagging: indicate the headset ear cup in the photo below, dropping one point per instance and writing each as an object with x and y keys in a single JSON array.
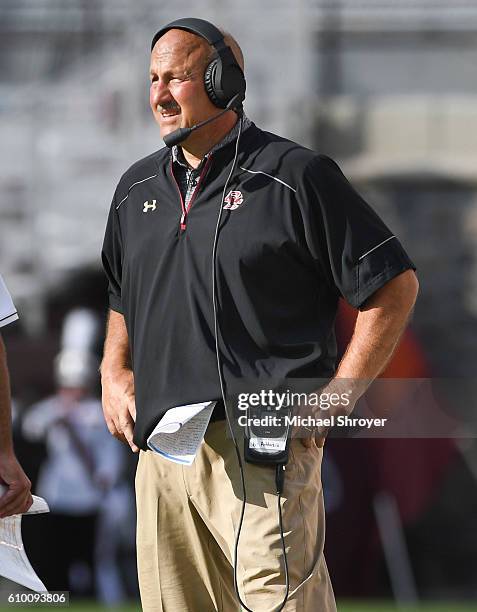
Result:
[
  {"x": 210, "y": 86},
  {"x": 233, "y": 82}
]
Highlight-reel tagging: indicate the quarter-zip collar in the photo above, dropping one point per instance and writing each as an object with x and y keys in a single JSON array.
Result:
[
  {"x": 188, "y": 179},
  {"x": 178, "y": 154},
  {"x": 186, "y": 204}
]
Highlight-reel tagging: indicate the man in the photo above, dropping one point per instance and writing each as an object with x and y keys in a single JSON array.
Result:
[
  {"x": 294, "y": 236},
  {"x": 17, "y": 498}
]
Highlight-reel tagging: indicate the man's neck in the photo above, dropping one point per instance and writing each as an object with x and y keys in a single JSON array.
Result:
[{"x": 201, "y": 142}]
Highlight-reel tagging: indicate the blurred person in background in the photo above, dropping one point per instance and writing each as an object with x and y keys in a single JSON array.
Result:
[
  {"x": 294, "y": 237},
  {"x": 81, "y": 476},
  {"x": 17, "y": 498}
]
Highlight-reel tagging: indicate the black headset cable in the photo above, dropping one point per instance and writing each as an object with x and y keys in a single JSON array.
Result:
[{"x": 280, "y": 468}]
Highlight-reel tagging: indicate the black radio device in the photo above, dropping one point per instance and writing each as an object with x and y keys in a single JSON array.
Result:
[{"x": 267, "y": 435}]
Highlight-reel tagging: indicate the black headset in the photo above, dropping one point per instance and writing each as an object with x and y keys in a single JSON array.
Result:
[{"x": 223, "y": 77}]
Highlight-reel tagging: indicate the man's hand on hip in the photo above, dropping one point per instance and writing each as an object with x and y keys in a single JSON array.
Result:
[
  {"x": 379, "y": 325},
  {"x": 339, "y": 398}
]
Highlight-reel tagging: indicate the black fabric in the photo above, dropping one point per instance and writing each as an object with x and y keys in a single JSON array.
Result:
[
  {"x": 295, "y": 237},
  {"x": 55, "y": 543},
  {"x": 344, "y": 234},
  {"x": 218, "y": 414}
]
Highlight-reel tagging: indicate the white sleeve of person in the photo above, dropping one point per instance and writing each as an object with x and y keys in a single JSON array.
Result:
[{"x": 8, "y": 312}]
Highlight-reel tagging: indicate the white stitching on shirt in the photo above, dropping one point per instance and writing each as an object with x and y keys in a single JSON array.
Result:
[
  {"x": 376, "y": 247},
  {"x": 269, "y": 176},
  {"x": 136, "y": 183}
]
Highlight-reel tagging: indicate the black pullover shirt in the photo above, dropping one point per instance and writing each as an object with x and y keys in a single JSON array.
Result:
[{"x": 294, "y": 237}]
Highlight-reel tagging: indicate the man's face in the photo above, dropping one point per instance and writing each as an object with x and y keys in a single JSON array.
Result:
[{"x": 177, "y": 94}]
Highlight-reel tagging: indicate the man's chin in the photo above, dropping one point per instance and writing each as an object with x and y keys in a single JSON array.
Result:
[{"x": 168, "y": 128}]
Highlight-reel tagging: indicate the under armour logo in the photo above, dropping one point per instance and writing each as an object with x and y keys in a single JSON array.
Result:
[
  {"x": 233, "y": 200},
  {"x": 148, "y": 206}
]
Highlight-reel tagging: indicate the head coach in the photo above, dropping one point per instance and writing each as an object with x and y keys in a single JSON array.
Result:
[{"x": 226, "y": 253}]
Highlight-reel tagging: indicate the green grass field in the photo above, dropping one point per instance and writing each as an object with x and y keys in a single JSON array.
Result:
[{"x": 343, "y": 606}]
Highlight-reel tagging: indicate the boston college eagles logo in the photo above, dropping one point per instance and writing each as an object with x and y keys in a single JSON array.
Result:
[{"x": 233, "y": 200}]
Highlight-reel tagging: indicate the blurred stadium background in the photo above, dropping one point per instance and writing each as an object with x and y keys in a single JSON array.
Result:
[{"x": 386, "y": 87}]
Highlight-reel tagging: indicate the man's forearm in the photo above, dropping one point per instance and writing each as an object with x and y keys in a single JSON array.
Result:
[
  {"x": 6, "y": 444},
  {"x": 116, "y": 354},
  {"x": 117, "y": 381},
  {"x": 378, "y": 328}
]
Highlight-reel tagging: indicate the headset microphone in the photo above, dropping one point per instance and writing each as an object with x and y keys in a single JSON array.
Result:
[{"x": 179, "y": 135}]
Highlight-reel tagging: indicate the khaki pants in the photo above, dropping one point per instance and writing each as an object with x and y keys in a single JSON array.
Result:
[{"x": 186, "y": 522}]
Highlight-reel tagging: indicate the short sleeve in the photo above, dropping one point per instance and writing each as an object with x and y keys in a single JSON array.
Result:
[
  {"x": 8, "y": 312},
  {"x": 353, "y": 249},
  {"x": 112, "y": 257}
]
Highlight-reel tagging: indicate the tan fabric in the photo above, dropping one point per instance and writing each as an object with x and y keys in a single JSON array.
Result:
[{"x": 186, "y": 524}]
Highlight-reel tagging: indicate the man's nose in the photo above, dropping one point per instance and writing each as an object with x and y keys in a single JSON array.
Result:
[{"x": 159, "y": 91}]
